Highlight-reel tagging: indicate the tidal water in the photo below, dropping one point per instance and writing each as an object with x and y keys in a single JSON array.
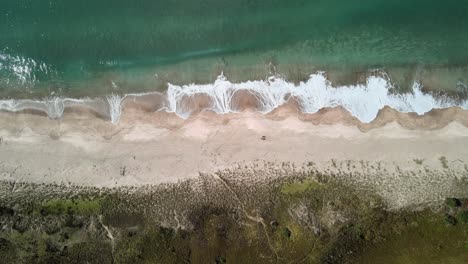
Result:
[{"x": 51, "y": 46}]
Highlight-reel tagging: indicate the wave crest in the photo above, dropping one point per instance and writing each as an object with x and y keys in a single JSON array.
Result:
[{"x": 363, "y": 101}]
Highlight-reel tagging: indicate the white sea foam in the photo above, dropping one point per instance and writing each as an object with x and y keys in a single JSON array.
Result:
[
  {"x": 115, "y": 107},
  {"x": 53, "y": 107},
  {"x": 362, "y": 101}
]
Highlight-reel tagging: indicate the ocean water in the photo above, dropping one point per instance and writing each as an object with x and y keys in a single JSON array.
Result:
[{"x": 90, "y": 48}]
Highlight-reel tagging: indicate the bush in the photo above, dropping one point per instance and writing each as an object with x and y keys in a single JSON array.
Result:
[
  {"x": 463, "y": 216},
  {"x": 452, "y": 202},
  {"x": 286, "y": 232},
  {"x": 450, "y": 220}
]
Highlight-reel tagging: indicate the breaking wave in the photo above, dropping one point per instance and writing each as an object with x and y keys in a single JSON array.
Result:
[{"x": 363, "y": 101}]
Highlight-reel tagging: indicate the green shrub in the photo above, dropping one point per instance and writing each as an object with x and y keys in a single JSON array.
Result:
[
  {"x": 286, "y": 232},
  {"x": 450, "y": 220},
  {"x": 463, "y": 216},
  {"x": 452, "y": 202}
]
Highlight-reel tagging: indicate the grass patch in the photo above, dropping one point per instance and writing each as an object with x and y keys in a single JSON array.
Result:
[
  {"x": 425, "y": 240},
  {"x": 71, "y": 206},
  {"x": 299, "y": 187}
]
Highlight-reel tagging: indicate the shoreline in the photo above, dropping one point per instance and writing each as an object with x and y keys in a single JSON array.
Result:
[
  {"x": 233, "y": 132},
  {"x": 448, "y": 80},
  {"x": 141, "y": 110},
  {"x": 362, "y": 101}
]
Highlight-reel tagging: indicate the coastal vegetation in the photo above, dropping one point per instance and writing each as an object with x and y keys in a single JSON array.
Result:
[{"x": 302, "y": 218}]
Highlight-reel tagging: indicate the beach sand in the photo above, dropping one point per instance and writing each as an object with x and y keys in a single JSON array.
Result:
[{"x": 406, "y": 157}]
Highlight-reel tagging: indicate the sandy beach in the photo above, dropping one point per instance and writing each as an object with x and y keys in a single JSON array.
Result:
[{"x": 153, "y": 148}]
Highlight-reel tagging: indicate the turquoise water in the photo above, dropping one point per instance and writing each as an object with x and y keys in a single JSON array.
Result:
[{"x": 99, "y": 46}]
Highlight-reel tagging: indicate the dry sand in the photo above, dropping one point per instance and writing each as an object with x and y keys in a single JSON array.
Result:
[{"x": 408, "y": 158}]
